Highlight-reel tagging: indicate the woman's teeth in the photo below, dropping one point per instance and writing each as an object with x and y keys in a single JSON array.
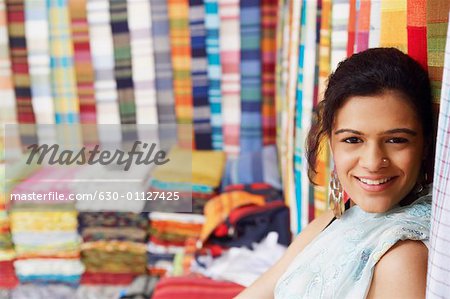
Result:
[{"x": 374, "y": 182}]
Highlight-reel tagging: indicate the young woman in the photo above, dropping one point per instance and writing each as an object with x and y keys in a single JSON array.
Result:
[{"x": 377, "y": 117}]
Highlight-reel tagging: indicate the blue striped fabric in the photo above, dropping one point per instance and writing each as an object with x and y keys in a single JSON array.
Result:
[
  {"x": 199, "y": 64},
  {"x": 163, "y": 62},
  {"x": 212, "y": 22},
  {"x": 251, "y": 128}
]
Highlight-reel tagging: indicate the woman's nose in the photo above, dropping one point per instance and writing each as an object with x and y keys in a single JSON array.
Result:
[{"x": 373, "y": 158}]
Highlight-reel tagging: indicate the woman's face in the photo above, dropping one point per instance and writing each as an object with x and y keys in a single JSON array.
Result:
[{"x": 378, "y": 147}]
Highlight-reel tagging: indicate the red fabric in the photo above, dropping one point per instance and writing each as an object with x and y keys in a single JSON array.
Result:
[
  {"x": 195, "y": 287},
  {"x": 417, "y": 31},
  {"x": 8, "y": 279},
  {"x": 107, "y": 278}
]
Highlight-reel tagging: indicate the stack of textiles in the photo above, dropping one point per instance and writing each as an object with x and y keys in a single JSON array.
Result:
[
  {"x": 190, "y": 173},
  {"x": 114, "y": 246},
  {"x": 45, "y": 231},
  {"x": 168, "y": 235},
  {"x": 8, "y": 277}
]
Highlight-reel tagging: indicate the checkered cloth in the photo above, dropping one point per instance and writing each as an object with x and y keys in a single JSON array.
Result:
[
  {"x": 393, "y": 24},
  {"x": 163, "y": 63},
  {"x": 437, "y": 20},
  {"x": 250, "y": 32},
  {"x": 143, "y": 64},
  {"x": 363, "y": 26},
  {"x": 103, "y": 62},
  {"x": 339, "y": 35},
  {"x": 375, "y": 23},
  {"x": 8, "y": 102},
  {"x": 417, "y": 30},
  {"x": 268, "y": 57},
  {"x": 212, "y": 22},
  {"x": 230, "y": 45},
  {"x": 202, "y": 112},
  {"x": 438, "y": 258},
  {"x": 63, "y": 78},
  {"x": 83, "y": 61}
]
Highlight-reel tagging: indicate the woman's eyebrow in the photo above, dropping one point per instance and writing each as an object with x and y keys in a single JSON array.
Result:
[
  {"x": 392, "y": 131},
  {"x": 348, "y": 131}
]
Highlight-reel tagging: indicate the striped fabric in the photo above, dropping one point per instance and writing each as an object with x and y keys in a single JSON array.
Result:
[
  {"x": 339, "y": 34},
  {"x": 103, "y": 62},
  {"x": 352, "y": 27},
  {"x": 363, "y": 21},
  {"x": 230, "y": 45},
  {"x": 163, "y": 63},
  {"x": 123, "y": 72},
  {"x": 375, "y": 23},
  {"x": 212, "y": 22},
  {"x": 321, "y": 191},
  {"x": 199, "y": 73},
  {"x": 268, "y": 57},
  {"x": 83, "y": 61},
  {"x": 37, "y": 35},
  {"x": 438, "y": 258},
  {"x": 178, "y": 11},
  {"x": 19, "y": 62},
  {"x": 437, "y": 21},
  {"x": 250, "y": 23},
  {"x": 417, "y": 30},
  {"x": 143, "y": 65},
  {"x": 393, "y": 24},
  {"x": 62, "y": 63},
  {"x": 8, "y": 102}
]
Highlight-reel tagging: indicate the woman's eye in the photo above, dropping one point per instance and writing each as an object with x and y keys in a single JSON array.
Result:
[
  {"x": 352, "y": 140},
  {"x": 397, "y": 140}
]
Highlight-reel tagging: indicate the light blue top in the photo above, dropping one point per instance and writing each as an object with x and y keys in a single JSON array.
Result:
[{"x": 339, "y": 262}]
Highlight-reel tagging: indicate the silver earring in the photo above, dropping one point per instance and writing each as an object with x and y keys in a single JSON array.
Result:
[{"x": 336, "y": 196}]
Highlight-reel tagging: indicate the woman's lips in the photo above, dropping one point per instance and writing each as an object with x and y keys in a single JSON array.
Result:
[{"x": 376, "y": 188}]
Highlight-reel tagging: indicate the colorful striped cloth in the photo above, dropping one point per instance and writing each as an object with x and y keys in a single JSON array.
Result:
[
  {"x": 163, "y": 63},
  {"x": 393, "y": 24},
  {"x": 437, "y": 21},
  {"x": 268, "y": 57},
  {"x": 212, "y": 22},
  {"x": 103, "y": 62},
  {"x": 230, "y": 45},
  {"x": 363, "y": 26},
  {"x": 352, "y": 27},
  {"x": 375, "y": 23},
  {"x": 8, "y": 102},
  {"x": 83, "y": 62},
  {"x": 339, "y": 34},
  {"x": 62, "y": 63},
  {"x": 122, "y": 61},
  {"x": 37, "y": 35},
  {"x": 143, "y": 64},
  {"x": 199, "y": 66},
  {"x": 178, "y": 11},
  {"x": 417, "y": 30},
  {"x": 250, "y": 32},
  {"x": 438, "y": 259}
]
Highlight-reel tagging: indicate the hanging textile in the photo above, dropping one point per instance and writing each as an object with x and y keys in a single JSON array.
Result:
[
  {"x": 178, "y": 11},
  {"x": 352, "y": 27},
  {"x": 437, "y": 20},
  {"x": 103, "y": 61},
  {"x": 417, "y": 30},
  {"x": 438, "y": 261},
  {"x": 36, "y": 33},
  {"x": 163, "y": 63},
  {"x": 8, "y": 102},
  {"x": 363, "y": 27},
  {"x": 142, "y": 61},
  {"x": 268, "y": 57},
  {"x": 201, "y": 112},
  {"x": 62, "y": 63},
  {"x": 393, "y": 24},
  {"x": 250, "y": 32},
  {"x": 339, "y": 35},
  {"x": 375, "y": 23},
  {"x": 212, "y": 25},
  {"x": 231, "y": 88}
]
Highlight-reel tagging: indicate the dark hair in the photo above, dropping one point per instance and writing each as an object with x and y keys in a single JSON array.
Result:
[{"x": 373, "y": 72}]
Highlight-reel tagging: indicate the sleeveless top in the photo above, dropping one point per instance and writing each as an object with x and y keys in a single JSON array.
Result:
[{"x": 339, "y": 262}]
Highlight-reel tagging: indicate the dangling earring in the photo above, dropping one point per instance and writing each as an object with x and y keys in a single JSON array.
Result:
[{"x": 336, "y": 196}]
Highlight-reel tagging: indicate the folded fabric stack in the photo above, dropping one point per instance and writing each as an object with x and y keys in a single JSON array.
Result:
[
  {"x": 45, "y": 231},
  {"x": 192, "y": 174},
  {"x": 114, "y": 246},
  {"x": 168, "y": 235}
]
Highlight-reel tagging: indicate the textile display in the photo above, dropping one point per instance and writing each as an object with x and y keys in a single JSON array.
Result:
[
  {"x": 438, "y": 263},
  {"x": 375, "y": 23},
  {"x": 362, "y": 26},
  {"x": 393, "y": 19},
  {"x": 417, "y": 31}
]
